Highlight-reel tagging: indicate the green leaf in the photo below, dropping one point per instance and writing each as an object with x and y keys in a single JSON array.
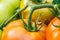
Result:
[{"x": 56, "y": 1}]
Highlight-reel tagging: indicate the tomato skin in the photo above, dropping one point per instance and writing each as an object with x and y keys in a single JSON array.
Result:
[
  {"x": 52, "y": 30},
  {"x": 16, "y": 31},
  {"x": 21, "y": 34},
  {"x": 55, "y": 35},
  {"x": 15, "y": 23}
]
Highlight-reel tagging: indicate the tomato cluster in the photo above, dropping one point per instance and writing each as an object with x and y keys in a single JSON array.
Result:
[{"x": 35, "y": 20}]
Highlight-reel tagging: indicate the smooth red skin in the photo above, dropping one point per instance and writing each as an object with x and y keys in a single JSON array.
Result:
[
  {"x": 51, "y": 30},
  {"x": 16, "y": 31}
]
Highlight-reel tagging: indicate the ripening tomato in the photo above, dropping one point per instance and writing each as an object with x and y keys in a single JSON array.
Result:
[
  {"x": 46, "y": 14},
  {"x": 53, "y": 30},
  {"x": 16, "y": 31}
]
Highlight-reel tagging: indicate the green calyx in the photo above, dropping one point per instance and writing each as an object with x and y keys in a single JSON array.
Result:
[
  {"x": 55, "y": 7},
  {"x": 34, "y": 28},
  {"x": 39, "y": 1},
  {"x": 56, "y": 11},
  {"x": 30, "y": 26}
]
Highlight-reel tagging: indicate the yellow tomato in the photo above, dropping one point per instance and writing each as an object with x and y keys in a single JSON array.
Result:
[{"x": 46, "y": 14}]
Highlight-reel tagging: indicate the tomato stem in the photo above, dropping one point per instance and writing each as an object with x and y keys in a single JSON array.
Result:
[{"x": 25, "y": 25}]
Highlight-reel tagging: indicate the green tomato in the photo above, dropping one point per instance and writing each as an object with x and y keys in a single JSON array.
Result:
[
  {"x": 0, "y": 34},
  {"x": 7, "y": 9}
]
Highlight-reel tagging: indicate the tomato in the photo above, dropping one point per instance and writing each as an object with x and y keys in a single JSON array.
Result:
[
  {"x": 55, "y": 35},
  {"x": 0, "y": 34},
  {"x": 7, "y": 9},
  {"x": 46, "y": 14},
  {"x": 15, "y": 31},
  {"x": 53, "y": 30}
]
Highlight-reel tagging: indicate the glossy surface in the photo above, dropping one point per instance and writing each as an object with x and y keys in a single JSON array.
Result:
[
  {"x": 53, "y": 32},
  {"x": 16, "y": 31}
]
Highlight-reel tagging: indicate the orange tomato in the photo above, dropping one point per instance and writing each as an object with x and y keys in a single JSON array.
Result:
[
  {"x": 53, "y": 30},
  {"x": 16, "y": 31}
]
